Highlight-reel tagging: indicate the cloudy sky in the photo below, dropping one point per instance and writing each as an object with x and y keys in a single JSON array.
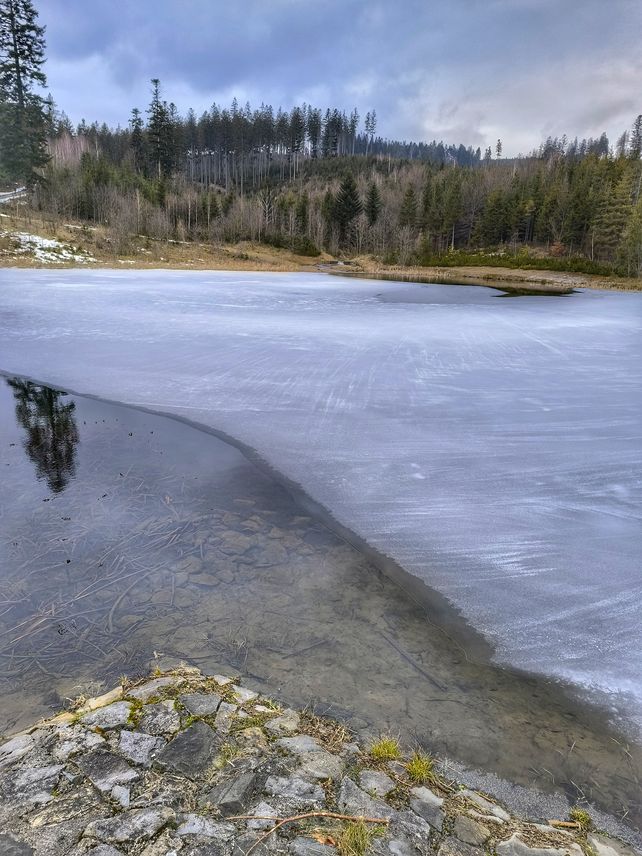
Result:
[{"x": 460, "y": 70}]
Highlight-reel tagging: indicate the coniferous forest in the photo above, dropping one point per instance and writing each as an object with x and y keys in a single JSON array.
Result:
[{"x": 314, "y": 179}]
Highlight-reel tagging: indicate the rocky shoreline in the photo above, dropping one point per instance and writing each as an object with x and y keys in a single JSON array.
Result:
[{"x": 197, "y": 765}]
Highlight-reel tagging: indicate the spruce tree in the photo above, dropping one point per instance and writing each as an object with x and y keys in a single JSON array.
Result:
[
  {"x": 408, "y": 211},
  {"x": 373, "y": 204},
  {"x": 347, "y": 206},
  {"x": 22, "y": 114},
  {"x": 137, "y": 140},
  {"x": 635, "y": 144}
]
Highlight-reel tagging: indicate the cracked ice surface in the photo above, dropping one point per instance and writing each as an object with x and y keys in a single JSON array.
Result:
[{"x": 491, "y": 445}]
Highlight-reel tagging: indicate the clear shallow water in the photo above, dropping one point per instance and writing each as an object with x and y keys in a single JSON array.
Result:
[
  {"x": 125, "y": 535},
  {"x": 491, "y": 446}
]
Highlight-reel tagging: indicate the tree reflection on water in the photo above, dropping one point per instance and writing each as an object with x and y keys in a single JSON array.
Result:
[{"x": 51, "y": 429}]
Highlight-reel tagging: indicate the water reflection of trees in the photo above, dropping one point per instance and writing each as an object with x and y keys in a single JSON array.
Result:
[{"x": 51, "y": 429}]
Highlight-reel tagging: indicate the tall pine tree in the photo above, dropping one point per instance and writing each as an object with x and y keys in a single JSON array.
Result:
[
  {"x": 22, "y": 113},
  {"x": 347, "y": 206},
  {"x": 373, "y": 204}
]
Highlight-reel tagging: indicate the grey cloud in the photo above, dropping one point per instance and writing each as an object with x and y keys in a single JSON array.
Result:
[{"x": 509, "y": 68}]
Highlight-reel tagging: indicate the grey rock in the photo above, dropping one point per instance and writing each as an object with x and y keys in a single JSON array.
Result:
[
  {"x": 196, "y": 824},
  {"x": 315, "y": 761},
  {"x": 15, "y": 749},
  {"x": 296, "y": 791},
  {"x": 249, "y": 841},
  {"x": 352, "y": 800},
  {"x": 454, "y": 847},
  {"x": 105, "y": 769},
  {"x": 222, "y": 680},
  {"x": 393, "y": 847},
  {"x": 487, "y": 818},
  {"x": 151, "y": 688},
  {"x": 232, "y": 795},
  {"x": 299, "y": 745},
  {"x": 515, "y": 846},
  {"x": 121, "y": 794},
  {"x": 309, "y": 847},
  {"x": 470, "y": 831},
  {"x": 104, "y": 850},
  {"x": 139, "y": 747},
  {"x": 407, "y": 830},
  {"x": 376, "y": 783},
  {"x": 34, "y": 785},
  {"x": 485, "y": 804},
  {"x": 212, "y": 849},
  {"x": 160, "y": 720},
  {"x": 130, "y": 826},
  {"x": 604, "y": 846},
  {"x": 59, "y": 838},
  {"x": 201, "y": 704},
  {"x": 428, "y": 805},
  {"x": 115, "y": 715},
  {"x": 263, "y": 812},
  {"x": 10, "y": 846},
  {"x": 287, "y": 723},
  {"x": 76, "y": 739},
  {"x": 244, "y": 695},
  {"x": 225, "y": 717},
  {"x": 190, "y": 753},
  {"x": 321, "y": 765}
]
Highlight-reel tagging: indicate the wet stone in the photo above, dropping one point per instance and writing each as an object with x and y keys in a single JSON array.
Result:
[
  {"x": 309, "y": 847},
  {"x": 160, "y": 720},
  {"x": 427, "y": 805},
  {"x": 376, "y": 783},
  {"x": 190, "y": 753},
  {"x": 352, "y": 800},
  {"x": 296, "y": 791},
  {"x": 244, "y": 695},
  {"x": 201, "y": 704},
  {"x": 130, "y": 826},
  {"x": 232, "y": 795},
  {"x": 10, "y": 846},
  {"x": 470, "y": 831},
  {"x": 115, "y": 715},
  {"x": 105, "y": 769},
  {"x": 139, "y": 747},
  {"x": 150, "y": 689}
]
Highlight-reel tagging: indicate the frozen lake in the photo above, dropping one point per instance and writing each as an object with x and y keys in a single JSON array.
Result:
[{"x": 491, "y": 445}]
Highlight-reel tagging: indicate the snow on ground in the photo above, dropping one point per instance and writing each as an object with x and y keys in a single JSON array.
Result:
[
  {"x": 491, "y": 445},
  {"x": 46, "y": 250}
]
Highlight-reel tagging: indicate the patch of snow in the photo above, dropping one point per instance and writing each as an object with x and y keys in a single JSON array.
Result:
[{"x": 46, "y": 249}]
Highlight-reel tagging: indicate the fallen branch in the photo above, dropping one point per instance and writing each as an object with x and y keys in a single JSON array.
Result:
[
  {"x": 334, "y": 815},
  {"x": 565, "y": 824}
]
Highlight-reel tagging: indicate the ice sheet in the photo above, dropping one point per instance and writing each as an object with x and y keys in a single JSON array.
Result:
[{"x": 491, "y": 445}]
